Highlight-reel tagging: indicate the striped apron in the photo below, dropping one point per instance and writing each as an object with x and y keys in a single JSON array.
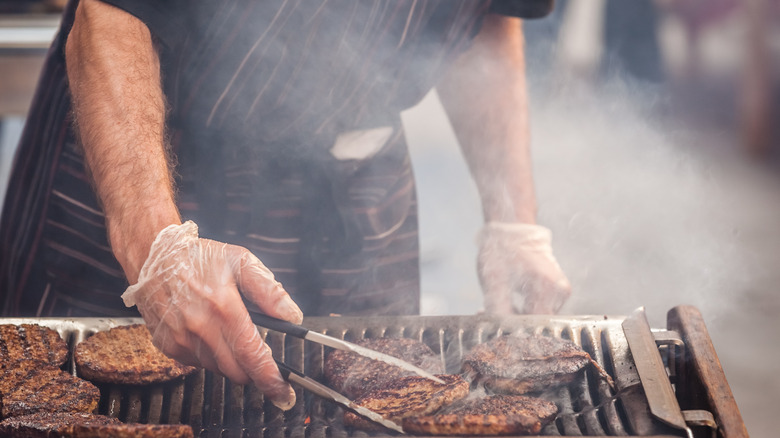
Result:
[{"x": 285, "y": 125}]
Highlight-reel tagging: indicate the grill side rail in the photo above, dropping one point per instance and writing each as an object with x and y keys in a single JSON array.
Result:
[{"x": 703, "y": 384}]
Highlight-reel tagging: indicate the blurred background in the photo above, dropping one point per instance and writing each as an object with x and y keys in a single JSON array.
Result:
[{"x": 656, "y": 160}]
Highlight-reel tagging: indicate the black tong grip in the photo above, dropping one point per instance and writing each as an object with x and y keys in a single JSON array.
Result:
[{"x": 279, "y": 325}]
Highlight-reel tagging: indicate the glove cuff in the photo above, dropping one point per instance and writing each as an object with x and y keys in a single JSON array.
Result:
[
  {"x": 169, "y": 240},
  {"x": 517, "y": 233}
]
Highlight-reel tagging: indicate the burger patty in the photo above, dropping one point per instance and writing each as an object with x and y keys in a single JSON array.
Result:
[
  {"x": 491, "y": 415},
  {"x": 408, "y": 396},
  {"x": 32, "y": 341},
  {"x": 84, "y": 425},
  {"x": 354, "y": 375},
  {"x": 29, "y": 386},
  {"x": 133, "y": 430},
  {"x": 526, "y": 364},
  {"x": 51, "y": 424},
  {"x": 126, "y": 355}
]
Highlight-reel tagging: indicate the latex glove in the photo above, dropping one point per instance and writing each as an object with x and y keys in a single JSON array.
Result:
[
  {"x": 188, "y": 294},
  {"x": 518, "y": 271}
]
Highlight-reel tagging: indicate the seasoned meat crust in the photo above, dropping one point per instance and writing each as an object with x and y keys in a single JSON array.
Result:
[
  {"x": 406, "y": 396},
  {"x": 524, "y": 364},
  {"x": 84, "y": 425},
  {"x": 52, "y": 424},
  {"x": 491, "y": 415},
  {"x": 29, "y": 386},
  {"x": 126, "y": 355},
  {"x": 353, "y": 375},
  {"x": 32, "y": 341},
  {"x": 133, "y": 430}
]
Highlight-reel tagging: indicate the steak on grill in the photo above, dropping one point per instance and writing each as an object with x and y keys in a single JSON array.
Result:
[
  {"x": 354, "y": 375},
  {"x": 490, "y": 415},
  {"x": 29, "y": 386},
  {"x": 126, "y": 355},
  {"x": 525, "y": 364},
  {"x": 32, "y": 341},
  {"x": 51, "y": 424},
  {"x": 84, "y": 425},
  {"x": 407, "y": 396}
]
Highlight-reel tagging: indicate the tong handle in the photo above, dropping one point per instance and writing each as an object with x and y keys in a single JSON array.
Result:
[
  {"x": 279, "y": 325},
  {"x": 286, "y": 370}
]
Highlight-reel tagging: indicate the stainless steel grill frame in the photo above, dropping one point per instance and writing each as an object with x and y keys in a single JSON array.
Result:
[{"x": 215, "y": 407}]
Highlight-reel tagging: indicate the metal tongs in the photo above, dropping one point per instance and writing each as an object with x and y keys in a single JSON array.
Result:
[{"x": 322, "y": 390}]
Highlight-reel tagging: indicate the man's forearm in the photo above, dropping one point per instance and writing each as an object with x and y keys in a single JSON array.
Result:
[
  {"x": 484, "y": 95},
  {"x": 114, "y": 76}
]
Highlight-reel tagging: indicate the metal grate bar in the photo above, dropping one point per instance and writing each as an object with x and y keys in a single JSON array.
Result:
[{"x": 217, "y": 408}]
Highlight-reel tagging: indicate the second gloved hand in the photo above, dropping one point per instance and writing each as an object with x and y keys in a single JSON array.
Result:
[
  {"x": 518, "y": 271},
  {"x": 188, "y": 294}
]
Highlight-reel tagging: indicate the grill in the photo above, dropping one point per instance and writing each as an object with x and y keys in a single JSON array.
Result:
[{"x": 669, "y": 382}]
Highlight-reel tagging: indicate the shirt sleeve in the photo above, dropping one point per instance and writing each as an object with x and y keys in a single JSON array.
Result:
[
  {"x": 522, "y": 8},
  {"x": 164, "y": 18}
]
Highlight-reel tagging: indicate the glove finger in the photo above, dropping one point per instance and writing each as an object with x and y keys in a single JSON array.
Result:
[
  {"x": 213, "y": 348},
  {"x": 257, "y": 283},
  {"x": 544, "y": 296},
  {"x": 257, "y": 361}
]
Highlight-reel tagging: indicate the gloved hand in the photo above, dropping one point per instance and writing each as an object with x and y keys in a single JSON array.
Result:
[
  {"x": 518, "y": 271},
  {"x": 188, "y": 294}
]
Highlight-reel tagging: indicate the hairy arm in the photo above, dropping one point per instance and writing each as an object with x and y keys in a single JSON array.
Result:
[
  {"x": 484, "y": 94},
  {"x": 114, "y": 75}
]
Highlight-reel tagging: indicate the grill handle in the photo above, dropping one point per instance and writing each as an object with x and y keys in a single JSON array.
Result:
[
  {"x": 660, "y": 395},
  {"x": 705, "y": 382}
]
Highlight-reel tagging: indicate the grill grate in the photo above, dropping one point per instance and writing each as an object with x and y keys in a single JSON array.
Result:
[{"x": 217, "y": 408}]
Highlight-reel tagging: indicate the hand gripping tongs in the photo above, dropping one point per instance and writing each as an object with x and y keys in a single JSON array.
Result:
[{"x": 322, "y": 390}]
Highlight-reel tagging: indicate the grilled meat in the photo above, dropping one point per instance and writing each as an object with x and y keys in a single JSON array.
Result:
[
  {"x": 32, "y": 341},
  {"x": 491, "y": 415},
  {"x": 408, "y": 396},
  {"x": 133, "y": 430},
  {"x": 29, "y": 386},
  {"x": 354, "y": 375},
  {"x": 126, "y": 355},
  {"x": 525, "y": 364},
  {"x": 51, "y": 424},
  {"x": 84, "y": 425}
]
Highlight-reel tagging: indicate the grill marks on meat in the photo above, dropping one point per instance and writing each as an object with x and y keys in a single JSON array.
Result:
[
  {"x": 126, "y": 355},
  {"x": 133, "y": 430},
  {"x": 32, "y": 341},
  {"x": 29, "y": 386},
  {"x": 525, "y": 364},
  {"x": 407, "y": 396},
  {"x": 84, "y": 425},
  {"x": 51, "y": 424},
  {"x": 354, "y": 375},
  {"x": 490, "y": 415}
]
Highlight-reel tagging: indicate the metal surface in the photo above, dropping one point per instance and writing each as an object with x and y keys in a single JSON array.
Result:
[
  {"x": 652, "y": 373},
  {"x": 217, "y": 408}
]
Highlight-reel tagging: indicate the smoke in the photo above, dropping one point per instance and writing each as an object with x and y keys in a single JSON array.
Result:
[{"x": 645, "y": 208}]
